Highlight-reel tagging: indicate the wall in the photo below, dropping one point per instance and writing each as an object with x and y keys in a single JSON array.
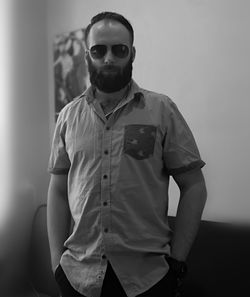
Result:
[
  {"x": 197, "y": 52},
  {"x": 29, "y": 94}
]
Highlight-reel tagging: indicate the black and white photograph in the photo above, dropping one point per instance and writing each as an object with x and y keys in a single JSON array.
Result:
[{"x": 125, "y": 141}]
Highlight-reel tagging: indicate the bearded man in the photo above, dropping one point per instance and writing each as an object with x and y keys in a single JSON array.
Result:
[{"x": 113, "y": 152}]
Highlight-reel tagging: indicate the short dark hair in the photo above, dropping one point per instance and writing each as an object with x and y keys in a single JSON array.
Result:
[{"x": 107, "y": 15}]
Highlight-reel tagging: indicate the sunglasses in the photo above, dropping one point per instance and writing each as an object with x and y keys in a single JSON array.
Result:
[{"x": 98, "y": 51}]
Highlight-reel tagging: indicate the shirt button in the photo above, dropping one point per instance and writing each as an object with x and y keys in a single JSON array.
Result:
[
  {"x": 108, "y": 128},
  {"x": 106, "y": 152},
  {"x": 106, "y": 230},
  {"x": 104, "y": 257},
  {"x": 105, "y": 176},
  {"x": 105, "y": 203}
]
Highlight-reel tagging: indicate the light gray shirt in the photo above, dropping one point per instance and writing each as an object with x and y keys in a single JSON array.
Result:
[{"x": 118, "y": 177}]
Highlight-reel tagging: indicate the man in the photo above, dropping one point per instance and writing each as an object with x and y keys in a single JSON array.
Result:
[{"x": 114, "y": 150}]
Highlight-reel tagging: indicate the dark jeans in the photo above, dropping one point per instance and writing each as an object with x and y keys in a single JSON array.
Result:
[{"x": 112, "y": 287}]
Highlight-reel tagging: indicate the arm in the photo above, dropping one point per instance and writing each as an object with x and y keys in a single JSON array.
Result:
[
  {"x": 58, "y": 217},
  {"x": 193, "y": 195}
]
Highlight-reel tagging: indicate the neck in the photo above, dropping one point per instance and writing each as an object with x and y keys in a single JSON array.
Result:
[{"x": 103, "y": 97}]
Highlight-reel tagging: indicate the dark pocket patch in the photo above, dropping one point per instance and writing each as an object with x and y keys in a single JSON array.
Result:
[{"x": 139, "y": 141}]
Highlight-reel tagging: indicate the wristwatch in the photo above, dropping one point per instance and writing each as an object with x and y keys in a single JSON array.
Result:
[{"x": 179, "y": 268}]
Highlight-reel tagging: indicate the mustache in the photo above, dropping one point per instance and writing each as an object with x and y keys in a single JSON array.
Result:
[{"x": 109, "y": 67}]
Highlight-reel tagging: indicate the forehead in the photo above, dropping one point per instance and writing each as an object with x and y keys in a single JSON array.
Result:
[{"x": 108, "y": 32}]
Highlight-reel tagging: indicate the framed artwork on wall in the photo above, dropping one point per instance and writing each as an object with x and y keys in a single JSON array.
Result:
[{"x": 70, "y": 70}]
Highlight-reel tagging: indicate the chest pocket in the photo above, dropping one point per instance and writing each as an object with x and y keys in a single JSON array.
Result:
[{"x": 139, "y": 141}]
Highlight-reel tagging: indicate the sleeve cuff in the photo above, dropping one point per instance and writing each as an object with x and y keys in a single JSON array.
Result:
[
  {"x": 58, "y": 171},
  {"x": 196, "y": 164}
]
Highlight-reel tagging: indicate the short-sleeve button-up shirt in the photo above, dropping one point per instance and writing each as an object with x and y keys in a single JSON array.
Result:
[{"x": 118, "y": 176}]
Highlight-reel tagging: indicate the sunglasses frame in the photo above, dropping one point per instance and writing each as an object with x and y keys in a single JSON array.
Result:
[{"x": 106, "y": 47}]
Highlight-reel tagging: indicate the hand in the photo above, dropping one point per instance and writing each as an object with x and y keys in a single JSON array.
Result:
[{"x": 177, "y": 271}]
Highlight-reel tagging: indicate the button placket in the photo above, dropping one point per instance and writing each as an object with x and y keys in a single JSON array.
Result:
[{"x": 105, "y": 182}]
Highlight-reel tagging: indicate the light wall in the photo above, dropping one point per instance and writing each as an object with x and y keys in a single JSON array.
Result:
[
  {"x": 196, "y": 52},
  {"x": 29, "y": 95}
]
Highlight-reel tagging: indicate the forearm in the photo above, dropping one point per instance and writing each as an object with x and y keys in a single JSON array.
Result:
[
  {"x": 58, "y": 219},
  {"x": 189, "y": 212}
]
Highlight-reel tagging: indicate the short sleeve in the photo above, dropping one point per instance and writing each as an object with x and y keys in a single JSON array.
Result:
[
  {"x": 180, "y": 151},
  {"x": 59, "y": 162}
]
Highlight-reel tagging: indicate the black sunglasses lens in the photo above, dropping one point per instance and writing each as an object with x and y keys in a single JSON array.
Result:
[
  {"x": 98, "y": 51},
  {"x": 120, "y": 50}
]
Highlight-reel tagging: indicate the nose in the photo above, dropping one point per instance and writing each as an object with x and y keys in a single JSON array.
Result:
[{"x": 109, "y": 57}]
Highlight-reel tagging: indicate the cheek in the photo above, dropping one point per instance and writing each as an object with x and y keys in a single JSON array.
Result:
[
  {"x": 122, "y": 62},
  {"x": 93, "y": 63},
  {"x": 96, "y": 63}
]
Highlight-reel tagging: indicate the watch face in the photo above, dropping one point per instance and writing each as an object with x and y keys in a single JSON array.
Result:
[
  {"x": 178, "y": 267},
  {"x": 183, "y": 269}
]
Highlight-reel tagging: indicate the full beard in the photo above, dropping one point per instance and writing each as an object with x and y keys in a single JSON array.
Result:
[{"x": 110, "y": 78}]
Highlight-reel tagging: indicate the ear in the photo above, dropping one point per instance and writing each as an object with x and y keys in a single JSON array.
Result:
[
  {"x": 133, "y": 53},
  {"x": 86, "y": 55}
]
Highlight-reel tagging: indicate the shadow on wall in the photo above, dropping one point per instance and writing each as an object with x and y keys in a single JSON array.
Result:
[{"x": 15, "y": 233}]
